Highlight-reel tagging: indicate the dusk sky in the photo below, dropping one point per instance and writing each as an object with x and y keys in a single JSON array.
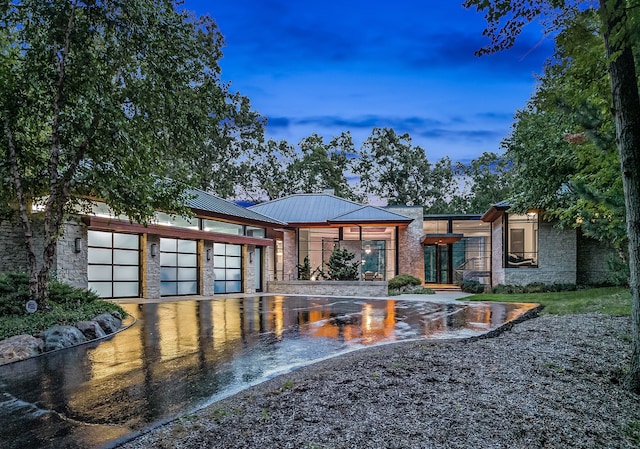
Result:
[{"x": 352, "y": 65}]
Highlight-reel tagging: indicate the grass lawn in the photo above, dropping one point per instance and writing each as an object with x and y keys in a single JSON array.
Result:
[{"x": 609, "y": 300}]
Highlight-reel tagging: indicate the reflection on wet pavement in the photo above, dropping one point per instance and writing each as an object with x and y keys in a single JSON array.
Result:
[{"x": 183, "y": 355}]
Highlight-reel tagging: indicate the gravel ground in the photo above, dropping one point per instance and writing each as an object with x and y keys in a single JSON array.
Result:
[{"x": 550, "y": 382}]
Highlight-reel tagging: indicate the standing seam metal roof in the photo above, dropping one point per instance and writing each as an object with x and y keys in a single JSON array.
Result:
[
  {"x": 322, "y": 208},
  {"x": 205, "y": 201}
]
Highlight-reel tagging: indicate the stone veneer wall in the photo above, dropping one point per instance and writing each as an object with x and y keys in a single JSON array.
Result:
[
  {"x": 330, "y": 288},
  {"x": 497, "y": 254},
  {"x": 13, "y": 255},
  {"x": 68, "y": 266},
  {"x": 71, "y": 267},
  {"x": 290, "y": 248},
  {"x": 151, "y": 267},
  {"x": 411, "y": 251},
  {"x": 592, "y": 261},
  {"x": 248, "y": 269},
  {"x": 206, "y": 269},
  {"x": 557, "y": 255}
]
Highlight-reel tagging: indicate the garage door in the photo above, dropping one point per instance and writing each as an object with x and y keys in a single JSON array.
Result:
[
  {"x": 227, "y": 267},
  {"x": 113, "y": 264},
  {"x": 178, "y": 267}
]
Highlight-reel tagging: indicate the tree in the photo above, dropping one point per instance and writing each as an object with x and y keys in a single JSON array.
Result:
[
  {"x": 267, "y": 170},
  {"x": 390, "y": 167},
  {"x": 505, "y": 22},
  {"x": 323, "y": 165},
  {"x": 563, "y": 142},
  {"x": 222, "y": 164},
  {"x": 482, "y": 182},
  {"x": 98, "y": 98},
  {"x": 341, "y": 267}
]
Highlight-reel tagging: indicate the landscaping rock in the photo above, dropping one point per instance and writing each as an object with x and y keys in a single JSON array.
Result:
[
  {"x": 19, "y": 347},
  {"x": 108, "y": 322},
  {"x": 90, "y": 329},
  {"x": 58, "y": 337}
]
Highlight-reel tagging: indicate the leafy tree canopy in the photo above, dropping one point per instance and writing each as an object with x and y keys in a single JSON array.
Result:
[{"x": 99, "y": 100}]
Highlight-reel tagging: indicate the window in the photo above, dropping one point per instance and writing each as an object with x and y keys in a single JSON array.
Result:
[
  {"x": 521, "y": 240},
  {"x": 222, "y": 227}
]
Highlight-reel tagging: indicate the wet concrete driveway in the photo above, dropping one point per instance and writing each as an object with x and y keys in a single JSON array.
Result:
[{"x": 182, "y": 355}]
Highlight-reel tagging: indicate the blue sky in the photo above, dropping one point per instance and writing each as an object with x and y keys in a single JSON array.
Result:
[{"x": 350, "y": 65}]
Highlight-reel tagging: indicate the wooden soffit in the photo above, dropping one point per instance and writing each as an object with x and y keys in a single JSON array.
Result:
[{"x": 441, "y": 239}]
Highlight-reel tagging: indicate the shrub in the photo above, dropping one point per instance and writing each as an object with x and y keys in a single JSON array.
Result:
[
  {"x": 14, "y": 293},
  {"x": 534, "y": 287},
  {"x": 403, "y": 280},
  {"x": 472, "y": 286},
  {"x": 340, "y": 266}
]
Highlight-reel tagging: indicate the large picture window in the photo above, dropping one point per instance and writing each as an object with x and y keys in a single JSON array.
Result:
[{"x": 521, "y": 240}]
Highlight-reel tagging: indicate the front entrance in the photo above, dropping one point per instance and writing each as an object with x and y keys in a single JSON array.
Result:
[{"x": 437, "y": 264}]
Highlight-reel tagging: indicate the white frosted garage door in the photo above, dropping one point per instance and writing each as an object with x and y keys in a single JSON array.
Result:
[
  {"x": 113, "y": 264},
  {"x": 178, "y": 267}
]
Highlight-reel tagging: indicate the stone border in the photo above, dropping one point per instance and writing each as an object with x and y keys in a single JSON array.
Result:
[{"x": 127, "y": 322}]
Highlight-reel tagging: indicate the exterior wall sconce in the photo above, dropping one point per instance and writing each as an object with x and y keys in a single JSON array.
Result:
[
  {"x": 250, "y": 256},
  {"x": 77, "y": 245},
  {"x": 154, "y": 249},
  {"x": 209, "y": 254}
]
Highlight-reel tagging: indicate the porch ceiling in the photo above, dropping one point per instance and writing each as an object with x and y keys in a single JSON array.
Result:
[{"x": 440, "y": 239}]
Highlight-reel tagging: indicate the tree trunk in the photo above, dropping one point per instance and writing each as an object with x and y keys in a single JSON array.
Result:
[{"x": 626, "y": 105}]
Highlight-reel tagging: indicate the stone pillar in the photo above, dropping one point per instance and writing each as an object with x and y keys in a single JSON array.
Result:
[
  {"x": 290, "y": 248},
  {"x": 248, "y": 269},
  {"x": 70, "y": 266},
  {"x": 497, "y": 252},
  {"x": 410, "y": 250},
  {"x": 207, "y": 276},
  {"x": 151, "y": 267}
]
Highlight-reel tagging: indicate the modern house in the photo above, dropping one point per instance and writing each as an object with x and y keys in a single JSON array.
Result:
[{"x": 225, "y": 248}]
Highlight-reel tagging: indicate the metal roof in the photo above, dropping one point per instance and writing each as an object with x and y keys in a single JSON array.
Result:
[
  {"x": 323, "y": 208},
  {"x": 198, "y": 199},
  {"x": 369, "y": 214}
]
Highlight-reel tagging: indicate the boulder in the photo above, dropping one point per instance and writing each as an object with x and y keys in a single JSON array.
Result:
[
  {"x": 90, "y": 329},
  {"x": 58, "y": 337},
  {"x": 108, "y": 322},
  {"x": 19, "y": 347}
]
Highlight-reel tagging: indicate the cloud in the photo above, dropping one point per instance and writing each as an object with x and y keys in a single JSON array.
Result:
[{"x": 349, "y": 123}]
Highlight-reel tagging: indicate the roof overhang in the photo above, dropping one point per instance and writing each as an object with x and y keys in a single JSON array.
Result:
[
  {"x": 496, "y": 211},
  {"x": 110, "y": 224},
  {"x": 441, "y": 239}
]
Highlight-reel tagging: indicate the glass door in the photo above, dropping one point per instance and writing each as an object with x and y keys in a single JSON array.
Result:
[{"x": 437, "y": 264}]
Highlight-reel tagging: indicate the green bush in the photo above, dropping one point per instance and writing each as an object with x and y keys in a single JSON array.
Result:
[
  {"x": 534, "y": 287},
  {"x": 472, "y": 286},
  {"x": 341, "y": 266},
  {"x": 403, "y": 280},
  {"x": 14, "y": 293}
]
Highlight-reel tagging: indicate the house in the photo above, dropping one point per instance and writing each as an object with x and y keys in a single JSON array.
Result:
[{"x": 225, "y": 248}]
